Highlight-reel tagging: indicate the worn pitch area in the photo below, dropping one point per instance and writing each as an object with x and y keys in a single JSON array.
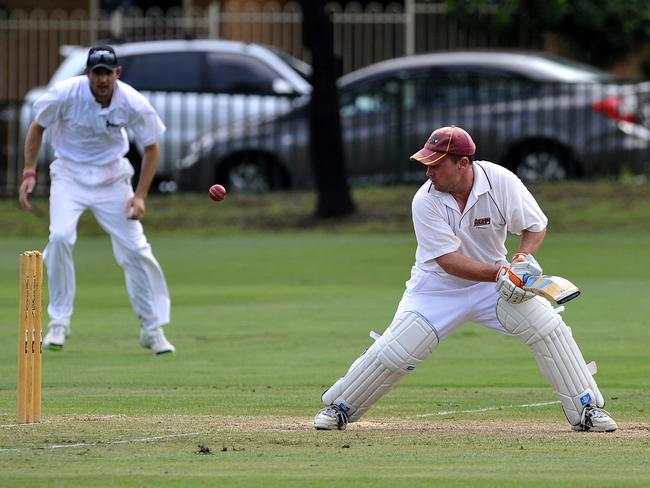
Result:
[{"x": 72, "y": 431}]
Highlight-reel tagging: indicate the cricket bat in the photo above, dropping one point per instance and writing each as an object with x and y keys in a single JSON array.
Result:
[{"x": 553, "y": 288}]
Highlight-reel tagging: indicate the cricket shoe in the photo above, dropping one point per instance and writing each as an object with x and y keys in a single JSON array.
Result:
[
  {"x": 331, "y": 418},
  {"x": 55, "y": 337},
  {"x": 156, "y": 341},
  {"x": 595, "y": 419}
]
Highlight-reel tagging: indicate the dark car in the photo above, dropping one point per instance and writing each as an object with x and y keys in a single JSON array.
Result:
[{"x": 545, "y": 117}]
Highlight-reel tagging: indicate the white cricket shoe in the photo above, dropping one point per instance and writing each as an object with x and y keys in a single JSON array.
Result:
[
  {"x": 55, "y": 337},
  {"x": 331, "y": 418},
  {"x": 156, "y": 341},
  {"x": 595, "y": 419}
]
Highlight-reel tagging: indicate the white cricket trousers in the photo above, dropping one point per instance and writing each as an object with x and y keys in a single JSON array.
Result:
[
  {"x": 447, "y": 307},
  {"x": 145, "y": 282}
]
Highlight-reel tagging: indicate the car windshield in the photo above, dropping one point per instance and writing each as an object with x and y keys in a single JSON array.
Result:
[
  {"x": 570, "y": 71},
  {"x": 299, "y": 66}
]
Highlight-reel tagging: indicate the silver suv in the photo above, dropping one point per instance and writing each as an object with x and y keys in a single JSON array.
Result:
[{"x": 195, "y": 85}]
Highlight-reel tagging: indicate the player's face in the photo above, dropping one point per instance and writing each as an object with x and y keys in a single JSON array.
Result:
[
  {"x": 102, "y": 83},
  {"x": 445, "y": 175}
]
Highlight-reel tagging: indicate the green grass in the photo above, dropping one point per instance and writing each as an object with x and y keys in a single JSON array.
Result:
[
  {"x": 264, "y": 321},
  {"x": 575, "y": 207}
]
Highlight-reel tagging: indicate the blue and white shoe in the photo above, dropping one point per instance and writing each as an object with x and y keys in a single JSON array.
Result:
[
  {"x": 331, "y": 418},
  {"x": 595, "y": 419}
]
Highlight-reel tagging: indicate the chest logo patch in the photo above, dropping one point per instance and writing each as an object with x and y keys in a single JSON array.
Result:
[{"x": 483, "y": 221}]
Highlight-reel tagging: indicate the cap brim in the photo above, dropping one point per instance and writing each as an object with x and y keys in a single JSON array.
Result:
[
  {"x": 109, "y": 67},
  {"x": 429, "y": 158}
]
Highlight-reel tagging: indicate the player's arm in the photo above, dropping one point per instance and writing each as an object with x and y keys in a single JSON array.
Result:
[
  {"x": 530, "y": 241},
  {"x": 457, "y": 264},
  {"x": 33, "y": 142},
  {"x": 150, "y": 160}
]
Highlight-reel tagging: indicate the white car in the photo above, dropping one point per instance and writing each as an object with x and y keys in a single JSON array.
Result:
[{"x": 195, "y": 85}]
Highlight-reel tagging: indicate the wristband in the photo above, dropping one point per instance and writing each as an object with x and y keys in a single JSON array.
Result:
[{"x": 29, "y": 173}]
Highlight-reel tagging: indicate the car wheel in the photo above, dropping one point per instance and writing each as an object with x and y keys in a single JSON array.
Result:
[
  {"x": 254, "y": 174},
  {"x": 536, "y": 164}
]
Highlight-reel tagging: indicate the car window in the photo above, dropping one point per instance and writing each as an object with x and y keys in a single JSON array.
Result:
[
  {"x": 371, "y": 97},
  {"x": 232, "y": 73},
  {"x": 494, "y": 86},
  {"x": 457, "y": 86},
  {"x": 169, "y": 71}
]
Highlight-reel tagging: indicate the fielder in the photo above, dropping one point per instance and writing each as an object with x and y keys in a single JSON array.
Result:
[
  {"x": 86, "y": 117},
  {"x": 461, "y": 217}
]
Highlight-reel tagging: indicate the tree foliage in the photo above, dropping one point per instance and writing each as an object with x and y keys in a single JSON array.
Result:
[{"x": 600, "y": 32}]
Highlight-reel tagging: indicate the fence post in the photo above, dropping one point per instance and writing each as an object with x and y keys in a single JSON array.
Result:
[
  {"x": 93, "y": 21},
  {"x": 188, "y": 18},
  {"x": 117, "y": 23},
  {"x": 409, "y": 27},
  {"x": 213, "y": 20}
]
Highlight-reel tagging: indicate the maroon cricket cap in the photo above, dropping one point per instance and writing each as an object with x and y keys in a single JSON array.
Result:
[{"x": 443, "y": 141}]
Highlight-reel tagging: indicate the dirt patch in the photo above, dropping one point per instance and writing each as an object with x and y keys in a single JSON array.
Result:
[{"x": 212, "y": 424}]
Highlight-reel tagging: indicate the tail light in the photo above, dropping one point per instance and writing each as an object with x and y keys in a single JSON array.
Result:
[{"x": 617, "y": 108}]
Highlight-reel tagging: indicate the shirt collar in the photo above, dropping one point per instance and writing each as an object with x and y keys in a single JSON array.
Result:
[{"x": 481, "y": 183}]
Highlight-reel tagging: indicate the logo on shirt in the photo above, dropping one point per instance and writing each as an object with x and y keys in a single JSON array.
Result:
[
  {"x": 110, "y": 124},
  {"x": 483, "y": 221}
]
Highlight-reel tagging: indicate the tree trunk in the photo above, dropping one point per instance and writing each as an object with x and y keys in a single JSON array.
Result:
[{"x": 326, "y": 144}]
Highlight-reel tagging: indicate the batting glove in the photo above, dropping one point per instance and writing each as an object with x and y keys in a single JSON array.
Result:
[
  {"x": 525, "y": 264},
  {"x": 509, "y": 286}
]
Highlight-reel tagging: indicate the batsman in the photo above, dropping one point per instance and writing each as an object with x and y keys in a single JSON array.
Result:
[{"x": 461, "y": 217}]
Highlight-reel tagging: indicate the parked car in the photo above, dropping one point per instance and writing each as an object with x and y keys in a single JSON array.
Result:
[
  {"x": 195, "y": 85},
  {"x": 543, "y": 116}
]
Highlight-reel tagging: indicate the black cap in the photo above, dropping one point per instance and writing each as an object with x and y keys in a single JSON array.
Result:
[{"x": 102, "y": 57}]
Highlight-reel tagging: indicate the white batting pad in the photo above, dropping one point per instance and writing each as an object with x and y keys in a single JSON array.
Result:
[
  {"x": 557, "y": 354},
  {"x": 406, "y": 342}
]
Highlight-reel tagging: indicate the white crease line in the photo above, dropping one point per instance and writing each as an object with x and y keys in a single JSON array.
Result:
[
  {"x": 101, "y": 443},
  {"x": 487, "y": 409},
  {"x": 189, "y": 434}
]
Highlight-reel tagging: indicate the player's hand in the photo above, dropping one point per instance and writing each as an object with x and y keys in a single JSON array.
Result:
[
  {"x": 26, "y": 187},
  {"x": 509, "y": 286},
  {"x": 135, "y": 208}
]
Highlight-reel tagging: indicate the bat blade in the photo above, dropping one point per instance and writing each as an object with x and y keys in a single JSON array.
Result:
[{"x": 553, "y": 288}]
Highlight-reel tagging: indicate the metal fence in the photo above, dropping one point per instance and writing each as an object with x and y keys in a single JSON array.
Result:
[
  {"x": 560, "y": 128},
  {"x": 30, "y": 41},
  {"x": 540, "y": 130}
]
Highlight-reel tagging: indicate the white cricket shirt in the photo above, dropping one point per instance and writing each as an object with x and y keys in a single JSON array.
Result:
[
  {"x": 83, "y": 132},
  {"x": 498, "y": 203}
]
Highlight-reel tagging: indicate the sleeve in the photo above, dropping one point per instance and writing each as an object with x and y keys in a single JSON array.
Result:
[
  {"x": 48, "y": 106},
  {"x": 434, "y": 234},
  {"x": 145, "y": 122},
  {"x": 523, "y": 211}
]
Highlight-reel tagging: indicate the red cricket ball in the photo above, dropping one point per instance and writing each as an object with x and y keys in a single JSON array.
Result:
[{"x": 217, "y": 193}]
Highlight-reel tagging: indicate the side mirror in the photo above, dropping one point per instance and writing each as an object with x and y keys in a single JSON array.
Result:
[{"x": 282, "y": 87}]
